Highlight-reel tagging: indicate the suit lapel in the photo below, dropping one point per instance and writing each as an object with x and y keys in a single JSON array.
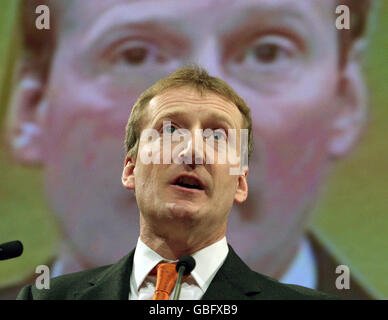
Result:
[
  {"x": 234, "y": 280},
  {"x": 111, "y": 284}
]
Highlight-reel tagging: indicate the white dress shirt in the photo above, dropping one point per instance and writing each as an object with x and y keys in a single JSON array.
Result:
[
  {"x": 303, "y": 270},
  {"x": 208, "y": 261}
]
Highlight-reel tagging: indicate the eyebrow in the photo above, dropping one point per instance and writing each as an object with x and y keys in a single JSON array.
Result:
[
  {"x": 185, "y": 115},
  {"x": 273, "y": 16},
  {"x": 127, "y": 16},
  {"x": 293, "y": 8},
  {"x": 142, "y": 13}
]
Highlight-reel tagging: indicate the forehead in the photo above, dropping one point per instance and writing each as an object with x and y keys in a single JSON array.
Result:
[
  {"x": 188, "y": 101},
  {"x": 109, "y": 13}
]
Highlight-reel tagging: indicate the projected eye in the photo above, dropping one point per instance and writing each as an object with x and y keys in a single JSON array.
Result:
[
  {"x": 136, "y": 53},
  {"x": 135, "y": 56},
  {"x": 266, "y": 62},
  {"x": 267, "y": 52}
]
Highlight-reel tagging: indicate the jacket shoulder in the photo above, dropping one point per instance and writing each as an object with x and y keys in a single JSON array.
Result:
[
  {"x": 280, "y": 291},
  {"x": 63, "y": 287},
  {"x": 236, "y": 281}
]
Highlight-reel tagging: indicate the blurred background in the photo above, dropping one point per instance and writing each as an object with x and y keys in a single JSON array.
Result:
[{"x": 350, "y": 220}]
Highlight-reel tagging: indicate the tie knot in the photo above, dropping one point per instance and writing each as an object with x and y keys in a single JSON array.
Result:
[
  {"x": 166, "y": 268},
  {"x": 166, "y": 277}
]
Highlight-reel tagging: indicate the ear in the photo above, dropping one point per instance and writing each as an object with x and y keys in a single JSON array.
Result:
[
  {"x": 27, "y": 113},
  {"x": 242, "y": 188},
  {"x": 128, "y": 176},
  {"x": 350, "y": 118}
]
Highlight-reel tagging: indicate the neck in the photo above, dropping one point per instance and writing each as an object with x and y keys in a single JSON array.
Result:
[{"x": 174, "y": 245}]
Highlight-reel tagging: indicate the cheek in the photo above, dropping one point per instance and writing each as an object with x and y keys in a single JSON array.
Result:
[
  {"x": 89, "y": 106},
  {"x": 291, "y": 133},
  {"x": 84, "y": 140},
  {"x": 297, "y": 119},
  {"x": 86, "y": 137},
  {"x": 225, "y": 185},
  {"x": 83, "y": 162},
  {"x": 142, "y": 186},
  {"x": 311, "y": 101}
]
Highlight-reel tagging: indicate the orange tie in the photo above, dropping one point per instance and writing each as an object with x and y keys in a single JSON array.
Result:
[{"x": 166, "y": 277}]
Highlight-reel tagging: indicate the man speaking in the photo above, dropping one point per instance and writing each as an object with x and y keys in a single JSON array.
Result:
[{"x": 184, "y": 192}]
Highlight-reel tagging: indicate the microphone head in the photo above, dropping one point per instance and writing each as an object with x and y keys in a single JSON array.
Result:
[
  {"x": 11, "y": 250},
  {"x": 188, "y": 262}
]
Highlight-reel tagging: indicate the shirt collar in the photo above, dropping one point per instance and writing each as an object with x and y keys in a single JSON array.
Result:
[
  {"x": 144, "y": 260},
  {"x": 208, "y": 261}
]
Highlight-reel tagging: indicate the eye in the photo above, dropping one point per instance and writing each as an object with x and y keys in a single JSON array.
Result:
[
  {"x": 135, "y": 55},
  {"x": 138, "y": 55},
  {"x": 266, "y": 62},
  {"x": 169, "y": 128},
  {"x": 218, "y": 134},
  {"x": 139, "y": 52},
  {"x": 268, "y": 50},
  {"x": 267, "y": 53}
]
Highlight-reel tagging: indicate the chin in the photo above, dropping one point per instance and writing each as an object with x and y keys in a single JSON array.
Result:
[{"x": 186, "y": 211}]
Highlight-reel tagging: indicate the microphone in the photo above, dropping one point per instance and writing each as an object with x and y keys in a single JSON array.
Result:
[
  {"x": 11, "y": 250},
  {"x": 185, "y": 265}
]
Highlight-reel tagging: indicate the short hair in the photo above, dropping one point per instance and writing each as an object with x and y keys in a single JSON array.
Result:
[{"x": 189, "y": 76}]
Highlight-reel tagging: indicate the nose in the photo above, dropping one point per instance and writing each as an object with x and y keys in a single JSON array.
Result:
[
  {"x": 207, "y": 54},
  {"x": 193, "y": 151}
]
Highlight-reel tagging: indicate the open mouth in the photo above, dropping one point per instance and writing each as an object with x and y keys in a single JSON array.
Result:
[{"x": 189, "y": 183}]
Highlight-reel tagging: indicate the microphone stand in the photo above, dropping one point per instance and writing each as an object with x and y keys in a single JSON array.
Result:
[
  {"x": 184, "y": 266},
  {"x": 179, "y": 282}
]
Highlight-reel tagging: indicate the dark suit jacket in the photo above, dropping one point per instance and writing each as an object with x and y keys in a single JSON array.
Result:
[
  {"x": 233, "y": 281},
  {"x": 327, "y": 265}
]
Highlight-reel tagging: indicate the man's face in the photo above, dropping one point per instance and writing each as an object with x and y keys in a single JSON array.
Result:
[
  {"x": 280, "y": 57},
  {"x": 183, "y": 117}
]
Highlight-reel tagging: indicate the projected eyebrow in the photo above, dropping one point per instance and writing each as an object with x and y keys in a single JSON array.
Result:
[
  {"x": 129, "y": 17},
  {"x": 285, "y": 22},
  {"x": 147, "y": 16}
]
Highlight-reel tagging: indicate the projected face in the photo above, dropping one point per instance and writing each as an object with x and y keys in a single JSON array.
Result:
[{"x": 280, "y": 56}]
